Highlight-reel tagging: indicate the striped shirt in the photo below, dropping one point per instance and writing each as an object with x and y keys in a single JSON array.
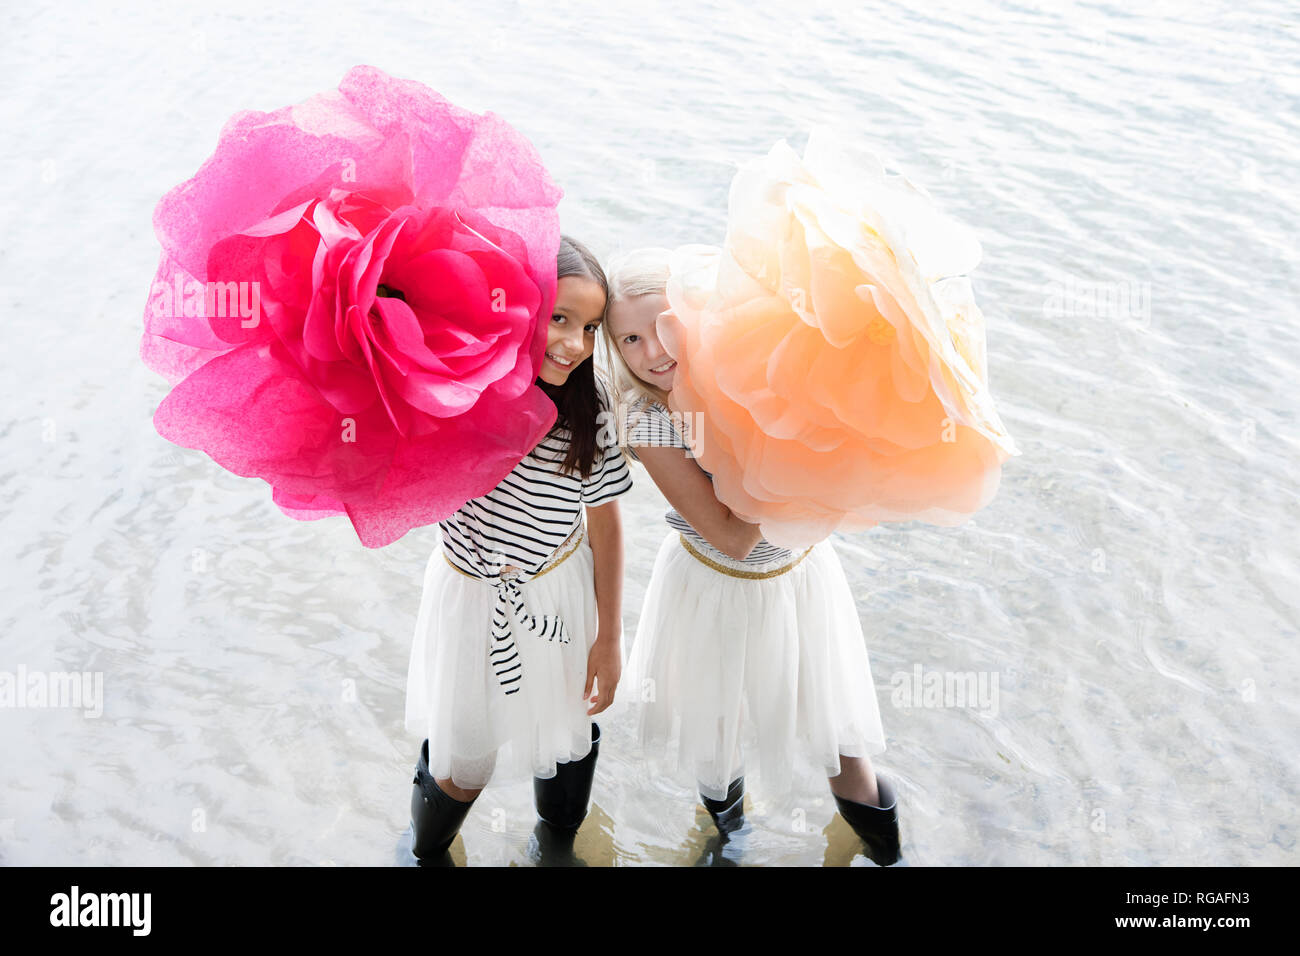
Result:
[
  {"x": 535, "y": 508},
  {"x": 650, "y": 424},
  {"x": 505, "y": 536}
]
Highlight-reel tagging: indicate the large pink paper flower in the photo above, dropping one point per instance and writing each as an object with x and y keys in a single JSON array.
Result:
[
  {"x": 352, "y": 304},
  {"x": 831, "y": 356}
]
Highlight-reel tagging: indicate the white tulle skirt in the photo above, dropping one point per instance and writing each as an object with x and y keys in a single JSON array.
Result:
[
  {"x": 769, "y": 677},
  {"x": 476, "y": 731}
]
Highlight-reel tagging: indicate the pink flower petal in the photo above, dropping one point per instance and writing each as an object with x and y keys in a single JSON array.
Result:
[{"x": 345, "y": 401}]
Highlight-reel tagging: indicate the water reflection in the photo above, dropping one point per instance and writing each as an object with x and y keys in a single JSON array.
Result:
[{"x": 1133, "y": 587}]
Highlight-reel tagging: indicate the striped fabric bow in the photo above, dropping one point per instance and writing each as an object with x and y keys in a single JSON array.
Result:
[{"x": 509, "y": 616}]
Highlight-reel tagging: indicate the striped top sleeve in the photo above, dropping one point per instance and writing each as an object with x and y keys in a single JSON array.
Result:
[
  {"x": 611, "y": 477},
  {"x": 650, "y": 424}
]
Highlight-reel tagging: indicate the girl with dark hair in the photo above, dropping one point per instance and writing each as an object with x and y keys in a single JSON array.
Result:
[{"x": 520, "y": 617}]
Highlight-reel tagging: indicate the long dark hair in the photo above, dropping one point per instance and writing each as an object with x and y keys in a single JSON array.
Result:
[{"x": 576, "y": 401}]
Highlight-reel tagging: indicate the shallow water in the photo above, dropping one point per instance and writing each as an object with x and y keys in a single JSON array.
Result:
[{"x": 1131, "y": 593}]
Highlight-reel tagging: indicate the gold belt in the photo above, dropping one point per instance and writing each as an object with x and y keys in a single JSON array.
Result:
[
  {"x": 561, "y": 554},
  {"x": 735, "y": 572}
]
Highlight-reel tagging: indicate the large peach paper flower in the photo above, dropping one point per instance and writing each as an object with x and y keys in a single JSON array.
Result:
[
  {"x": 352, "y": 304},
  {"x": 831, "y": 356}
]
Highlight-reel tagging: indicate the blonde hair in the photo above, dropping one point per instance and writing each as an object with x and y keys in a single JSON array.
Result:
[{"x": 631, "y": 274}]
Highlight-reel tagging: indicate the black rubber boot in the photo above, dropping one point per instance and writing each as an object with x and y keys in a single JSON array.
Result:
[
  {"x": 877, "y": 826},
  {"x": 562, "y": 800},
  {"x": 728, "y": 813},
  {"x": 435, "y": 817},
  {"x": 552, "y": 846}
]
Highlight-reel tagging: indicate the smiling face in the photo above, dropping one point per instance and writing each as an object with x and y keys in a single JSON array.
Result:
[
  {"x": 575, "y": 320},
  {"x": 632, "y": 327}
]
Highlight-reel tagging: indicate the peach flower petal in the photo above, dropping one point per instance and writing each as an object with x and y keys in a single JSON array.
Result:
[{"x": 835, "y": 351}]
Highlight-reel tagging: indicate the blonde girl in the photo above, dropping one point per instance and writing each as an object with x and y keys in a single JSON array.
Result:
[{"x": 738, "y": 639}]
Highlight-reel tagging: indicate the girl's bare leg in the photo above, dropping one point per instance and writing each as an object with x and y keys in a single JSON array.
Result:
[
  {"x": 456, "y": 793},
  {"x": 856, "y": 781}
]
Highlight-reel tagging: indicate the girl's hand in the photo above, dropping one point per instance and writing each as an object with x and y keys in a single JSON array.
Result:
[{"x": 604, "y": 668}]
